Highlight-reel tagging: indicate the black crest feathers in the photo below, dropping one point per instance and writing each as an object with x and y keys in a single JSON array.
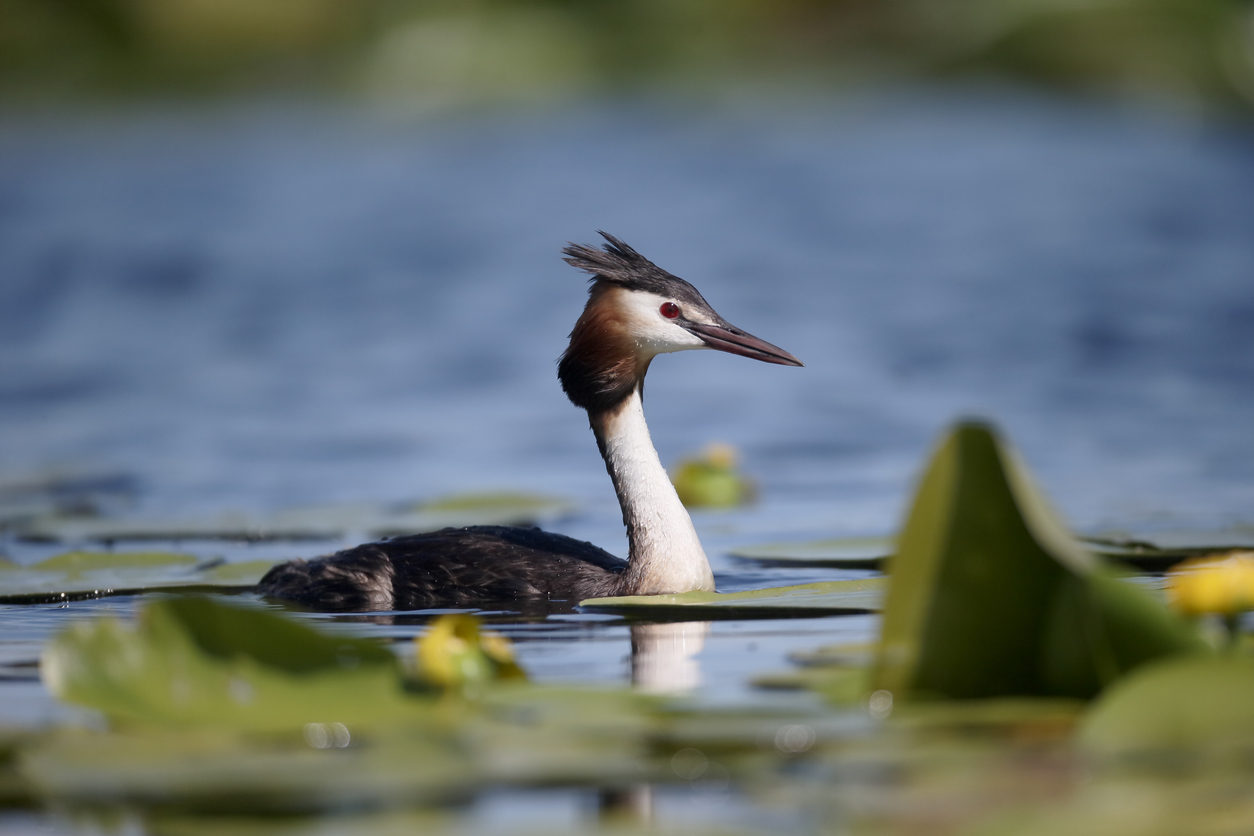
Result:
[{"x": 618, "y": 263}]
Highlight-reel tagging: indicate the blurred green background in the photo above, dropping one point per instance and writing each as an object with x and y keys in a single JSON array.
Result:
[{"x": 423, "y": 54}]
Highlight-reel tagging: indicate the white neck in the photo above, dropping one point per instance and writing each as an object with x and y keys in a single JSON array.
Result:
[{"x": 664, "y": 552}]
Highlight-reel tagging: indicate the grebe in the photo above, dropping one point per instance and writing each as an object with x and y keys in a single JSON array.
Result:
[{"x": 635, "y": 311}]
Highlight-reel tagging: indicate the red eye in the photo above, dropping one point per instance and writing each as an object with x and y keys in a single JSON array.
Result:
[{"x": 669, "y": 310}]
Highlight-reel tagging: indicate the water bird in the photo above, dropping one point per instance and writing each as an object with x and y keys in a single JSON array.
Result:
[{"x": 635, "y": 311}]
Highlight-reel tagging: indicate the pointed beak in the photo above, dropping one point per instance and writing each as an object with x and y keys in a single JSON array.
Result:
[{"x": 726, "y": 337}]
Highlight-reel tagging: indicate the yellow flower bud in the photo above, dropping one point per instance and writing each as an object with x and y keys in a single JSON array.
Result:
[{"x": 711, "y": 479}]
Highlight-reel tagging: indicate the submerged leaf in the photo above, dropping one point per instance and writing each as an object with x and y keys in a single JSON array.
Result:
[
  {"x": 990, "y": 595},
  {"x": 800, "y": 601}
]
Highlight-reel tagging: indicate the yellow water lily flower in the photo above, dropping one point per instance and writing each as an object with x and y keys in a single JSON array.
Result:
[
  {"x": 1213, "y": 585},
  {"x": 455, "y": 652}
]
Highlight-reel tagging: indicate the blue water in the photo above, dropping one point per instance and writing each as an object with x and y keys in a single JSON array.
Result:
[{"x": 262, "y": 307}]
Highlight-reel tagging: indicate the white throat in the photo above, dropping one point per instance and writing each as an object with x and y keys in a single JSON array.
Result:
[{"x": 664, "y": 552}]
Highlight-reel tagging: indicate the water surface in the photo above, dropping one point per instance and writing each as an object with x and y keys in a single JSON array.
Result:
[{"x": 269, "y": 307}]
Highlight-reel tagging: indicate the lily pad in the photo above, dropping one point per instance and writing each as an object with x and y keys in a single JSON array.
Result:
[
  {"x": 1176, "y": 706},
  {"x": 80, "y": 562},
  {"x": 306, "y": 524},
  {"x": 497, "y": 502},
  {"x": 62, "y": 492},
  {"x": 838, "y": 553},
  {"x": 83, "y": 574},
  {"x": 499, "y": 508},
  {"x": 80, "y": 529},
  {"x": 200, "y": 661},
  {"x": 800, "y": 601},
  {"x": 845, "y": 686},
  {"x": 219, "y": 705},
  {"x": 840, "y": 672},
  {"x": 845, "y": 654},
  {"x": 444, "y": 751},
  {"x": 1152, "y": 557},
  {"x": 233, "y": 574},
  {"x": 875, "y": 552},
  {"x": 319, "y": 767}
]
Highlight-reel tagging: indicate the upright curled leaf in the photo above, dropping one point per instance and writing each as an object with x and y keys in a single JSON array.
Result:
[{"x": 990, "y": 595}]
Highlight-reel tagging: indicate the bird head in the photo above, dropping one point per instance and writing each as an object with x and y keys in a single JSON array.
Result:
[{"x": 636, "y": 311}]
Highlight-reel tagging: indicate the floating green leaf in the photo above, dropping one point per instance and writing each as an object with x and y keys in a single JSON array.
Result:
[
  {"x": 443, "y": 751},
  {"x": 13, "y": 789},
  {"x": 199, "y": 661},
  {"x": 313, "y": 768},
  {"x": 990, "y": 595},
  {"x": 875, "y": 552},
  {"x": 1176, "y": 706},
  {"x": 79, "y": 562},
  {"x": 76, "y": 528},
  {"x": 496, "y": 503},
  {"x": 839, "y": 553},
  {"x": 302, "y": 524},
  {"x": 492, "y": 508},
  {"x": 90, "y": 574},
  {"x": 838, "y": 685},
  {"x": 233, "y": 573},
  {"x": 1157, "y": 557},
  {"x": 217, "y": 704},
  {"x": 799, "y": 601},
  {"x": 841, "y": 673}
]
